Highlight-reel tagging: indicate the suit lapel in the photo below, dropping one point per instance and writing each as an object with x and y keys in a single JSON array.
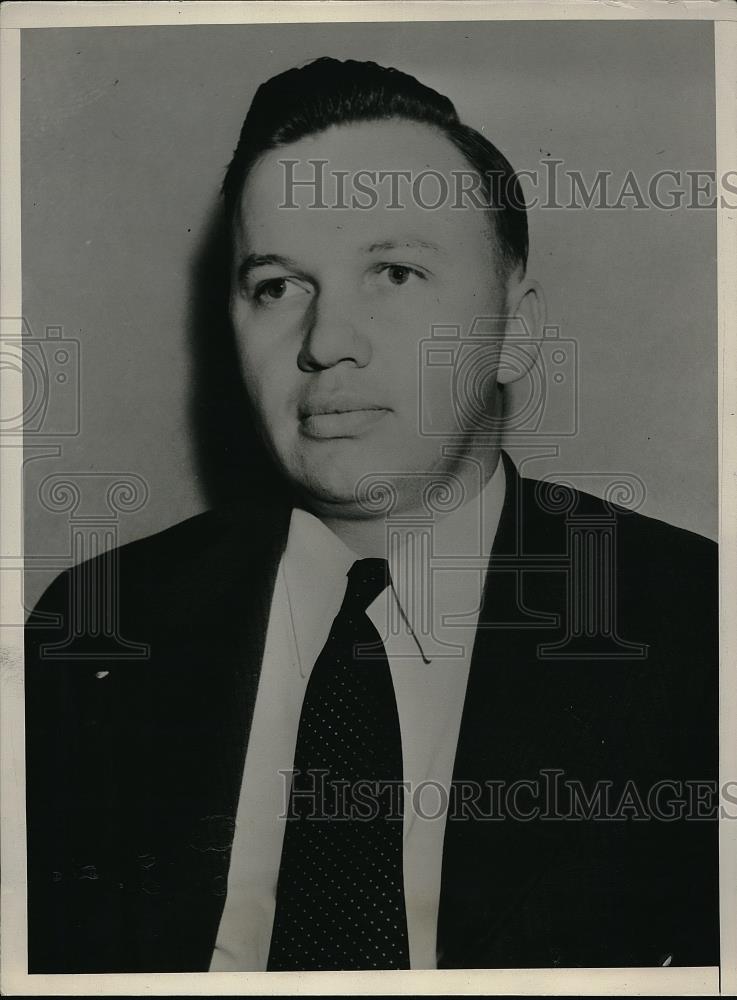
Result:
[
  {"x": 201, "y": 688},
  {"x": 510, "y": 731}
]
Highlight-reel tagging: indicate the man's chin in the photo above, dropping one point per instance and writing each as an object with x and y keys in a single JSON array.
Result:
[
  {"x": 356, "y": 478},
  {"x": 346, "y": 490},
  {"x": 334, "y": 497}
]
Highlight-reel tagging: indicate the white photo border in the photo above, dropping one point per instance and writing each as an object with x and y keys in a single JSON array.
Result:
[{"x": 15, "y": 16}]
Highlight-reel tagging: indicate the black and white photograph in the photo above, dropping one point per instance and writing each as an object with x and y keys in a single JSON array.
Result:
[{"x": 370, "y": 441}]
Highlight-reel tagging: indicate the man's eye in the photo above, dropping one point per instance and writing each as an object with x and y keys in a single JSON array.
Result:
[
  {"x": 276, "y": 289},
  {"x": 400, "y": 274}
]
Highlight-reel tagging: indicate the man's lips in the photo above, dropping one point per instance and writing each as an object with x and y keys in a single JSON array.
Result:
[{"x": 340, "y": 420}]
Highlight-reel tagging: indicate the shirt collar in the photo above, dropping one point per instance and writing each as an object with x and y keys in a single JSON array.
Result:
[
  {"x": 316, "y": 562},
  {"x": 453, "y": 550},
  {"x": 314, "y": 569}
]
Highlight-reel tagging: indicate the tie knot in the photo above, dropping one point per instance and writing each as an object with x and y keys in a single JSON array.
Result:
[{"x": 367, "y": 578}]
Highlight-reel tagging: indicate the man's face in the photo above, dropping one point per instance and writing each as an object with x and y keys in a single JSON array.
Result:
[{"x": 330, "y": 306}]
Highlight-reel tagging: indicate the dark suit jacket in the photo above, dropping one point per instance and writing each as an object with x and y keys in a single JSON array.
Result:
[{"x": 134, "y": 762}]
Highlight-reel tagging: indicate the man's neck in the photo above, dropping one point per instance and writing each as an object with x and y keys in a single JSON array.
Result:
[{"x": 367, "y": 536}]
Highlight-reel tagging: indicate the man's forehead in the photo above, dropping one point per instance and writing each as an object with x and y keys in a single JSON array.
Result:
[
  {"x": 393, "y": 144},
  {"x": 383, "y": 182}
]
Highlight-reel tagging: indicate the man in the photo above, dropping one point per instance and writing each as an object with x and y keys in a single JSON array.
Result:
[{"x": 409, "y": 617}]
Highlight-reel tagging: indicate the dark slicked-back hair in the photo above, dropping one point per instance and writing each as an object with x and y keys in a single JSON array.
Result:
[{"x": 308, "y": 100}]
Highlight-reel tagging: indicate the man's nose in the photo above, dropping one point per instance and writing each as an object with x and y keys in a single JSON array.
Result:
[{"x": 332, "y": 335}]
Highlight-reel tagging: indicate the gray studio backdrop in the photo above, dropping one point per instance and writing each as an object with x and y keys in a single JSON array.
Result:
[{"x": 126, "y": 134}]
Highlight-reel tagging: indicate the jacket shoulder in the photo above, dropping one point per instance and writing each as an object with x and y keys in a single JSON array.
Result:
[
  {"x": 165, "y": 547},
  {"x": 171, "y": 559},
  {"x": 659, "y": 586},
  {"x": 644, "y": 539}
]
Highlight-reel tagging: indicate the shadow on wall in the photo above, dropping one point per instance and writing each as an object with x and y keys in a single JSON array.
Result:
[{"x": 231, "y": 461}]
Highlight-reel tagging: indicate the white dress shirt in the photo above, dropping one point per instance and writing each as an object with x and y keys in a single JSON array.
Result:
[{"x": 427, "y": 621}]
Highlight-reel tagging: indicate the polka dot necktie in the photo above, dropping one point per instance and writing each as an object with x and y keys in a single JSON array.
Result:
[{"x": 340, "y": 892}]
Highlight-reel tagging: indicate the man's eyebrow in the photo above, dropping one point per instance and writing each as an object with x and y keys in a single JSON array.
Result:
[
  {"x": 403, "y": 244},
  {"x": 253, "y": 260}
]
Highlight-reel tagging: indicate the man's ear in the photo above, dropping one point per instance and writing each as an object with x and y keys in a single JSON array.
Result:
[{"x": 526, "y": 316}]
